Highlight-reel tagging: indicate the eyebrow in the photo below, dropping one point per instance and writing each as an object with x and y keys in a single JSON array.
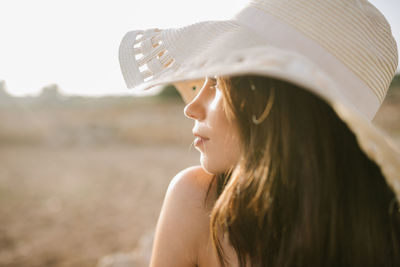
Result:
[
  {"x": 213, "y": 78},
  {"x": 210, "y": 78}
]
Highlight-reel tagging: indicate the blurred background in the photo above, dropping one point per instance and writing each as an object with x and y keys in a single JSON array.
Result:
[
  {"x": 84, "y": 162},
  {"x": 74, "y": 43},
  {"x": 82, "y": 177}
]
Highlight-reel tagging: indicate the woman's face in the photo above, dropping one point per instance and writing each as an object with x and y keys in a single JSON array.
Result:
[{"x": 220, "y": 150}]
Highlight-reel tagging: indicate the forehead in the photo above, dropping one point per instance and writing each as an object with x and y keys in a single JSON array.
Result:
[{"x": 189, "y": 89}]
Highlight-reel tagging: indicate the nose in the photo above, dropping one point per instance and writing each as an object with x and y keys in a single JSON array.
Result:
[
  {"x": 197, "y": 108},
  {"x": 194, "y": 109}
]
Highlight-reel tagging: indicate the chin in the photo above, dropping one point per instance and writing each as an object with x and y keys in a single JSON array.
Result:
[{"x": 211, "y": 168}]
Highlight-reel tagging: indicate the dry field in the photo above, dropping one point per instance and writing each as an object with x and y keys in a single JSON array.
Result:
[{"x": 80, "y": 180}]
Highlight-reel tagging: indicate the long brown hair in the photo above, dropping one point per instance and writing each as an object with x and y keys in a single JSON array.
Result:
[{"x": 303, "y": 193}]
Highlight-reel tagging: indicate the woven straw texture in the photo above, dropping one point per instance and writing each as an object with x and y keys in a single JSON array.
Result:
[{"x": 340, "y": 50}]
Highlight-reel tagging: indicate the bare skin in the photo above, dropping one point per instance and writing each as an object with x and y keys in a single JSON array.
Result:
[{"x": 182, "y": 233}]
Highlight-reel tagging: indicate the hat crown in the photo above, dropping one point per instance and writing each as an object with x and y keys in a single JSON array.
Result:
[
  {"x": 341, "y": 50},
  {"x": 353, "y": 31}
]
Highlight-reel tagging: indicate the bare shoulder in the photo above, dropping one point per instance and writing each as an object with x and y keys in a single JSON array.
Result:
[
  {"x": 191, "y": 183},
  {"x": 182, "y": 219}
]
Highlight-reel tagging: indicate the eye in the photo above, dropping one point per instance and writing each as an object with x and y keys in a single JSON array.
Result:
[{"x": 213, "y": 82}]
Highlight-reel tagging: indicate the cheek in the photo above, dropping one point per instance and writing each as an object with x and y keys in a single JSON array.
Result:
[
  {"x": 231, "y": 146},
  {"x": 228, "y": 134},
  {"x": 220, "y": 154},
  {"x": 223, "y": 150}
]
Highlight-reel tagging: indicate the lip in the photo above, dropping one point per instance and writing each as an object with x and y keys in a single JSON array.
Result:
[
  {"x": 199, "y": 141},
  {"x": 200, "y": 136}
]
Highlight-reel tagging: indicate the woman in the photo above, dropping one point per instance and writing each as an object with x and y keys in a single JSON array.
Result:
[{"x": 292, "y": 171}]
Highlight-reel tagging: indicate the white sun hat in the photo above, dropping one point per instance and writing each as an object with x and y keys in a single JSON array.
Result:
[{"x": 340, "y": 50}]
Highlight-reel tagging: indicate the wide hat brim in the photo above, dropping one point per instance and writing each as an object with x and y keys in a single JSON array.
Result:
[{"x": 187, "y": 54}]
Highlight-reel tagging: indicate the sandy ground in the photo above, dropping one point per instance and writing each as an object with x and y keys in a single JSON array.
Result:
[
  {"x": 70, "y": 206},
  {"x": 81, "y": 182}
]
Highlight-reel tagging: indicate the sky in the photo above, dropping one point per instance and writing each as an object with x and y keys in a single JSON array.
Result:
[{"x": 74, "y": 43}]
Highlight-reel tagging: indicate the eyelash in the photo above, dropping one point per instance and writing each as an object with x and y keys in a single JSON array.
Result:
[
  {"x": 214, "y": 82},
  {"x": 212, "y": 86}
]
